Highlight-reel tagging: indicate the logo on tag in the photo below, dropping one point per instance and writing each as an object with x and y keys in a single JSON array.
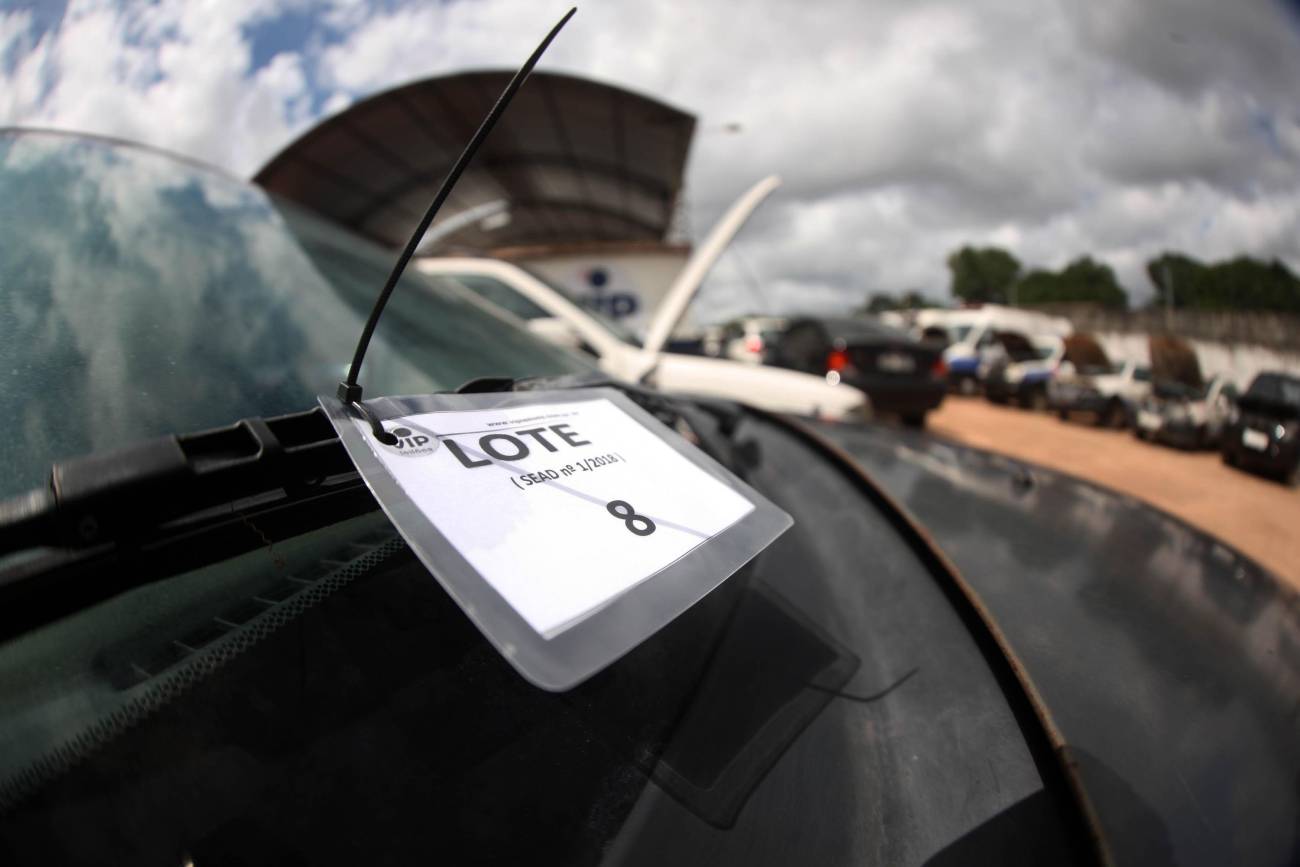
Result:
[{"x": 412, "y": 443}]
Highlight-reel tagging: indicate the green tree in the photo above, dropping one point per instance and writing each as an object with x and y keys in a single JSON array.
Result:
[
  {"x": 1084, "y": 280},
  {"x": 1241, "y": 283},
  {"x": 880, "y": 302},
  {"x": 1039, "y": 286},
  {"x": 984, "y": 274},
  {"x": 1182, "y": 275},
  {"x": 914, "y": 300}
]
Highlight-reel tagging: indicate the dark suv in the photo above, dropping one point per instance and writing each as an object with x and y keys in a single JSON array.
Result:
[{"x": 1265, "y": 435}]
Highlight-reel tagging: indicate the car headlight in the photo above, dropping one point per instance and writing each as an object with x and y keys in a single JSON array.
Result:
[{"x": 1286, "y": 430}]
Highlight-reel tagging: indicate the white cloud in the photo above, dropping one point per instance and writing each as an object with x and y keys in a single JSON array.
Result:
[
  {"x": 902, "y": 129},
  {"x": 174, "y": 74}
]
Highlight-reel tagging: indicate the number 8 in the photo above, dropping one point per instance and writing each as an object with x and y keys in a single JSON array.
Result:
[{"x": 638, "y": 524}]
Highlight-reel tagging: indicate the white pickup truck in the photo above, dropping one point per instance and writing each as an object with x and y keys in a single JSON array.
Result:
[{"x": 548, "y": 311}]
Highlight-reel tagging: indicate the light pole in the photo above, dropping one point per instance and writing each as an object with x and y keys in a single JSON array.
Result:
[{"x": 1169, "y": 296}]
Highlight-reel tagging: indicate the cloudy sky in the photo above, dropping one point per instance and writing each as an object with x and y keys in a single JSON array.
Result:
[{"x": 902, "y": 129}]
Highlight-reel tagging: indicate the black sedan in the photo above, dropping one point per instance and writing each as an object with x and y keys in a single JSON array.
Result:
[
  {"x": 902, "y": 376},
  {"x": 1265, "y": 436}
]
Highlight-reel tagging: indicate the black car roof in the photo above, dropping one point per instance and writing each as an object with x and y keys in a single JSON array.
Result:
[
  {"x": 849, "y": 328},
  {"x": 1277, "y": 388}
]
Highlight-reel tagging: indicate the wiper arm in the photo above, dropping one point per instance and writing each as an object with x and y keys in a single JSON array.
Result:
[
  {"x": 122, "y": 494},
  {"x": 113, "y": 521}
]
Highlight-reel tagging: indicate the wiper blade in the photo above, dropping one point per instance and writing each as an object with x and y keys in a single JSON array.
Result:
[
  {"x": 123, "y": 493},
  {"x": 117, "y": 520}
]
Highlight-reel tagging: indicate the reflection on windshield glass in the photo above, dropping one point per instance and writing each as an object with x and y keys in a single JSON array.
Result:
[{"x": 144, "y": 296}]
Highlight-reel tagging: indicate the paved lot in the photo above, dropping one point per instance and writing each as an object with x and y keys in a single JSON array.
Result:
[{"x": 1259, "y": 517}]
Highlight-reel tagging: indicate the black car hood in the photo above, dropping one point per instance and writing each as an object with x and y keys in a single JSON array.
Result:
[
  {"x": 841, "y": 700},
  {"x": 1169, "y": 662},
  {"x": 833, "y": 702}
]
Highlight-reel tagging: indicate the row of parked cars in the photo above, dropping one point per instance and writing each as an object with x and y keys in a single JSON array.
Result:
[
  {"x": 1256, "y": 430},
  {"x": 903, "y": 378},
  {"x": 833, "y": 368},
  {"x": 824, "y": 366}
]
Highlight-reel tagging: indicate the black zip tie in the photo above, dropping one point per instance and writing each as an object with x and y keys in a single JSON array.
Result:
[{"x": 349, "y": 390}]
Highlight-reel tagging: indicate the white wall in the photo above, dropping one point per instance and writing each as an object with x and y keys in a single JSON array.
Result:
[
  {"x": 627, "y": 286},
  {"x": 1238, "y": 362}
]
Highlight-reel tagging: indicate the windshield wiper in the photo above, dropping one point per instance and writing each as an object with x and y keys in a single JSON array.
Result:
[
  {"x": 124, "y": 494},
  {"x": 115, "y": 521}
]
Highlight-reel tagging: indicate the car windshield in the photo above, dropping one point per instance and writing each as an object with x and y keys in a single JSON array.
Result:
[
  {"x": 1274, "y": 388},
  {"x": 1173, "y": 389},
  {"x": 1017, "y": 347},
  {"x": 861, "y": 330},
  {"x": 613, "y": 326},
  {"x": 147, "y": 295},
  {"x": 143, "y": 295}
]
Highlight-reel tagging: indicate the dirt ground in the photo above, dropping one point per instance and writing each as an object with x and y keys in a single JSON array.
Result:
[{"x": 1258, "y": 516}]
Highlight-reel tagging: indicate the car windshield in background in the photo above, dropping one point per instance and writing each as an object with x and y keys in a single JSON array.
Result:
[
  {"x": 1276, "y": 389},
  {"x": 1017, "y": 346},
  {"x": 144, "y": 295},
  {"x": 959, "y": 333},
  {"x": 1169, "y": 388},
  {"x": 864, "y": 330}
]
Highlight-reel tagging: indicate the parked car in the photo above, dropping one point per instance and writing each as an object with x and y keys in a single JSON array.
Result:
[
  {"x": 902, "y": 376},
  {"x": 750, "y": 338},
  {"x": 1264, "y": 435},
  {"x": 1108, "y": 393},
  {"x": 549, "y": 312},
  {"x": 215, "y": 649},
  {"x": 1021, "y": 372},
  {"x": 972, "y": 336},
  {"x": 1184, "y": 415}
]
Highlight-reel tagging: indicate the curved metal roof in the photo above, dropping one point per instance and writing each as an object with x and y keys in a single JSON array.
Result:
[{"x": 575, "y": 161}]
